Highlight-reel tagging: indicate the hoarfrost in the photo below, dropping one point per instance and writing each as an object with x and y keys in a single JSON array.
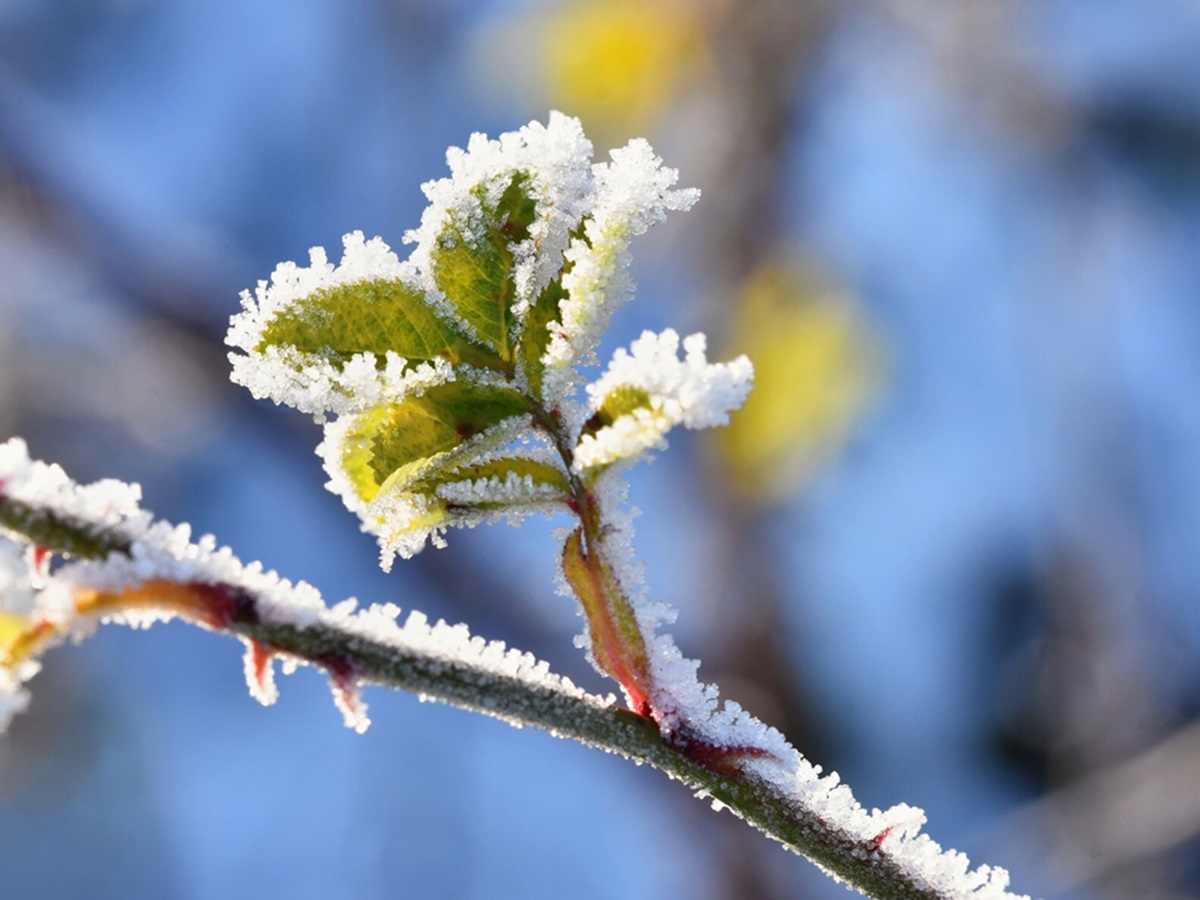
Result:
[
  {"x": 46, "y": 486},
  {"x": 304, "y": 381},
  {"x": 405, "y": 520},
  {"x": 163, "y": 558},
  {"x": 691, "y": 392},
  {"x": 17, "y": 578},
  {"x": 633, "y": 192},
  {"x": 556, "y": 160},
  {"x": 690, "y": 712}
]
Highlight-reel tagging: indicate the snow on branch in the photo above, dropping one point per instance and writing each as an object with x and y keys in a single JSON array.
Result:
[
  {"x": 127, "y": 568},
  {"x": 122, "y": 566}
]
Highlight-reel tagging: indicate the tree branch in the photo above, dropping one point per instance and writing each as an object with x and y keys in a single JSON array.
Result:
[{"x": 441, "y": 663}]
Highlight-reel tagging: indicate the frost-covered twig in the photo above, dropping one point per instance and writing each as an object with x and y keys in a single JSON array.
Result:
[{"x": 128, "y": 568}]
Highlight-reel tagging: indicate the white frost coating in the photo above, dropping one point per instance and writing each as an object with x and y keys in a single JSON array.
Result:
[
  {"x": 162, "y": 552},
  {"x": 158, "y": 552},
  {"x": 633, "y": 192},
  {"x": 316, "y": 386},
  {"x": 523, "y": 492},
  {"x": 260, "y": 674},
  {"x": 16, "y": 579},
  {"x": 556, "y": 157},
  {"x": 17, "y": 598},
  {"x": 289, "y": 282},
  {"x": 691, "y": 711},
  {"x": 512, "y": 489},
  {"x": 405, "y": 520},
  {"x": 691, "y": 392},
  {"x": 614, "y": 201},
  {"x": 105, "y": 503},
  {"x": 454, "y": 645},
  {"x": 305, "y": 381}
]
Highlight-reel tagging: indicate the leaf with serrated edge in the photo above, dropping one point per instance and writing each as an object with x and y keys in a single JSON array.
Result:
[
  {"x": 439, "y": 420},
  {"x": 535, "y": 336},
  {"x": 371, "y": 316},
  {"x": 545, "y": 314},
  {"x": 473, "y": 262},
  {"x": 355, "y": 456},
  {"x": 516, "y": 474}
]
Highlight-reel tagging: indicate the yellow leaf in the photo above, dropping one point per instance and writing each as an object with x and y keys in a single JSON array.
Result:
[
  {"x": 11, "y": 628},
  {"x": 815, "y": 370},
  {"x": 618, "y": 63}
]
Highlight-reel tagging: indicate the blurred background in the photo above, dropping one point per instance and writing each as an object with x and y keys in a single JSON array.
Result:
[{"x": 951, "y": 547}]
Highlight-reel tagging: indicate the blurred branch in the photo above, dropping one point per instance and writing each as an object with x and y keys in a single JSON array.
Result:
[{"x": 1122, "y": 815}]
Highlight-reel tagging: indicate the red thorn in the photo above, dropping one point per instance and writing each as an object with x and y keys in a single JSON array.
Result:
[
  {"x": 343, "y": 681},
  {"x": 721, "y": 759},
  {"x": 877, "y": 842},
  {"x": 260, "y": 674},
  {"x": 260, "y": 658},
  {"x": 40, "y": 558}
]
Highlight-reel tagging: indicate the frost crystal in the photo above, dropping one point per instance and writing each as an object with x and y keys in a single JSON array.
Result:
[
  {"x": 163, "y": 573},
  {"x": 452, "y": 378},
  {"x": 691, "y": 392},
  {"x": 315, "y": 385},
  {"x": 520, "y": 259},
  {"x": 633, "y": 192},
  {"x": 556, "y": 158}
]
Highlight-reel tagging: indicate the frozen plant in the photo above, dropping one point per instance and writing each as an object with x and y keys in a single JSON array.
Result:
[{"x": 449, "y": 385}]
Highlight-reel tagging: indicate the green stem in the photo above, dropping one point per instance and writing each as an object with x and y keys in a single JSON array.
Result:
[
  {"x": 61, "y": 533},
  {"x": 607, "y": 728},
  {"x": 618, "y": 645}
]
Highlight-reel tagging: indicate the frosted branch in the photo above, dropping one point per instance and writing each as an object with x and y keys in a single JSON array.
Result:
[{"x": 130, "y": 569}]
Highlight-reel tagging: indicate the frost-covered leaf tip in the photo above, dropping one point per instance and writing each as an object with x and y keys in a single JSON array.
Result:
[
  {"x": 450, "y": 376},
  {"x": 647, "y": 391}
]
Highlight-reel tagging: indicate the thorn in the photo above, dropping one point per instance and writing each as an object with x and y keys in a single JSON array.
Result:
[
  {"x": 347, "y": 692},
  {"x": 877, "y": 842},
  {"x": 38, "y": 560},
  {"x": 260, "y": 672},
  {"x": 723, "y": 760}
]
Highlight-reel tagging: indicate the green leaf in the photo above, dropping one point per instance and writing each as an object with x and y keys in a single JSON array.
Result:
[
  {"x": 535, "y": 337},
  {"x": 542, "y": 474},
  {"x": 416, "y": 444},
  {"x": 543, "y": 315},
  {"x": 620, "y": 401},
  {"x": 472, "y": 264},
  {"x": 372, "y": 316},
  {"x": 356, "y": 453},
  {"x": 439, "y": 420}
]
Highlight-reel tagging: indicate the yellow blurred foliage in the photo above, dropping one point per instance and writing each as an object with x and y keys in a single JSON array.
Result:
[
  {"x": 11, "y": 628},
  {"x": 815, "y": 369},
  {"x": 617, "y": 64}
]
